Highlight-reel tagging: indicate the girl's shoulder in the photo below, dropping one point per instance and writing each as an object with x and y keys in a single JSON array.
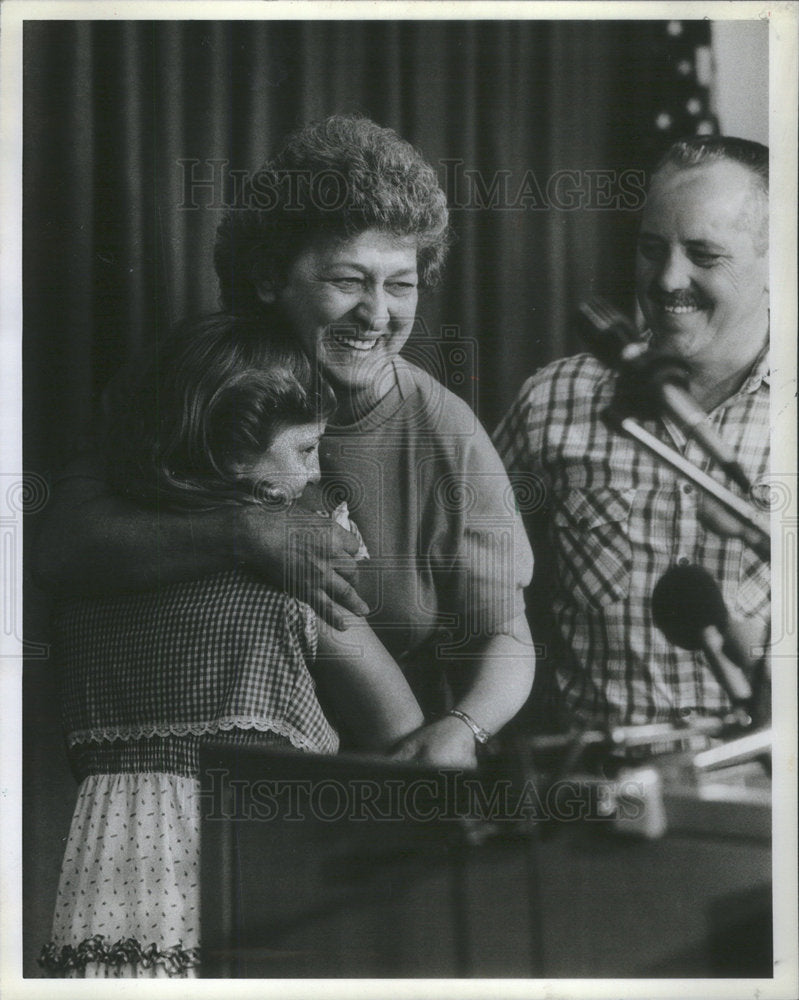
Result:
[{"x": 236, "y": 593}]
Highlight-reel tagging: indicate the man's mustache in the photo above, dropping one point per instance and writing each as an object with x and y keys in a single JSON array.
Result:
[{"x": 675, "y": 300}]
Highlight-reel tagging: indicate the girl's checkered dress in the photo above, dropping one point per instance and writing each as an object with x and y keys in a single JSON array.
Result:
[{"x": 145, "y": 677}]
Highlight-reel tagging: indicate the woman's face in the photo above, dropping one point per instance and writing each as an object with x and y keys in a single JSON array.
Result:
[{"x": 352, "y": 303}]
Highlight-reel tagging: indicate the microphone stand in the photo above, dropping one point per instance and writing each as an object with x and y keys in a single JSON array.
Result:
[{"x": 753, "y": 534}]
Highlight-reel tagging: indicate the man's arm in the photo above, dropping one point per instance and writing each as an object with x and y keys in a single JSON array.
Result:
[{"x": 92, "y": 541}]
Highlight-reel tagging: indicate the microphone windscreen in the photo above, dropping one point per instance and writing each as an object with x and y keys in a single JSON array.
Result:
[
  {"x": 604, "y": 330},
  {"x": 686, "y": 600}
]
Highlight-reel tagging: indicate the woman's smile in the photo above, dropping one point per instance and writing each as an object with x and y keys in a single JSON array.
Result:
[
  {"x": 355, "y": 343},
  {"x": 352, "y": 303}
]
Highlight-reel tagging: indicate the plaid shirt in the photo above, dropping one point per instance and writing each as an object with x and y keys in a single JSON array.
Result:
[
  {"x": 146, "y": 675},
  {"x": 616, "y": 519}
]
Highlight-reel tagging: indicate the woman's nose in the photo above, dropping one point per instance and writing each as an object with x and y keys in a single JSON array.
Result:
[{"x": 373, "y": 308}]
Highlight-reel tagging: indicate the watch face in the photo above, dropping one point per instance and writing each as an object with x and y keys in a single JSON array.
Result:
[{"x": 479, "y": 734}]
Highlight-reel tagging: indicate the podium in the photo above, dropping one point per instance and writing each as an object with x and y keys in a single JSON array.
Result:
[{"x": 327, "y": 867}]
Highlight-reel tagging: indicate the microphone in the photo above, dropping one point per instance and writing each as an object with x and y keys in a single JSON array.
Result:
[
  {"x": 651, "y": 381},
  {"x": 689, "y": 610}
]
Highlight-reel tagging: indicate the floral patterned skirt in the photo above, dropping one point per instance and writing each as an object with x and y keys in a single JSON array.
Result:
[{"x": 128, "y": 899}]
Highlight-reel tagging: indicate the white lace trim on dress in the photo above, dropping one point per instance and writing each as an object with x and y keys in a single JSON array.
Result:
[{"x": 281, "y": 728}]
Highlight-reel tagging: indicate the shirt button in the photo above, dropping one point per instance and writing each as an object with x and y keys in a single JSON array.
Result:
[
  {"x": 683, "y": 561},
  {"x": 687, "y": 488}
]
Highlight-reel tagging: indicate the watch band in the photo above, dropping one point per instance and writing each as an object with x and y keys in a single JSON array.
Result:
[{"x": 481, "y": 735}]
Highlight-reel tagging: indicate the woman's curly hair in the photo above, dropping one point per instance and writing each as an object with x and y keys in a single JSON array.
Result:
[
  {"x": 334, "y": 178},
  {"x": 212, "y": 397}
]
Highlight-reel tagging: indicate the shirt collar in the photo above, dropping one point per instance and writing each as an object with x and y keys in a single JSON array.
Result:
[{"x": 759, "y": 373}]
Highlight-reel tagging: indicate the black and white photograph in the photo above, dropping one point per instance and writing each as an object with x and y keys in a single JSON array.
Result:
[{"x": 399, "y": 499}]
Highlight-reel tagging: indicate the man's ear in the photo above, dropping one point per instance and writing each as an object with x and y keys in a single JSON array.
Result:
[{"x": 766, "y": 271}]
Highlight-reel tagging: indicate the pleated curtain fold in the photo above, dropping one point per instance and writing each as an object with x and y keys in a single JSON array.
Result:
[{"x": 137, "y": 133}]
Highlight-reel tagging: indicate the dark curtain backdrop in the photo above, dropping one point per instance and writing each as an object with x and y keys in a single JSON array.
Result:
[
  {"x": 111, "y": 254},
  {"x": 115, "y": 110}
]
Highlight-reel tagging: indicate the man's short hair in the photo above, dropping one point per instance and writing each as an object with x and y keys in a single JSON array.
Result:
[{"x": 699, "y": 150}]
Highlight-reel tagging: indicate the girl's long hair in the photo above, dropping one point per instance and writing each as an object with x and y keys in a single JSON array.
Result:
[{"x": 213, "y": 395}]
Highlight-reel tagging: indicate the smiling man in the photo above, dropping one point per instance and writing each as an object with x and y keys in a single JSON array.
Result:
[
  {"x": 615, "y": 519},
  {"x": 702, "y": 269}
]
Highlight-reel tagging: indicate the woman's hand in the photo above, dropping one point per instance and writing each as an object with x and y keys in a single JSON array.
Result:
[
  {"x": 448, "y": 742},
  {"x": 92, "y": 541},
  {"x": 306, "y": 554}
]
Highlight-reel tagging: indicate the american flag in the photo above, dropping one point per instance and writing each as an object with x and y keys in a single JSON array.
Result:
[{"x": 682, "y": 83}]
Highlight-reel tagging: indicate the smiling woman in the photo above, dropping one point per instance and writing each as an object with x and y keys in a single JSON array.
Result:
[
  {"x": 332, "y": 239},
  {"x": 448, "y": 555},
  {"x": 352, "y": 303},
  {"x": 336, "y": 235}
]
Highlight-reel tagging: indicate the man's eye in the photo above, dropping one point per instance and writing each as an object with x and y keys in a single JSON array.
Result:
[
  {"x": 401, "y": 287},
  {"x": 651, "y": 251},
  {"x": 705, "y": 259},
  {"x": 346, "y": 283}
]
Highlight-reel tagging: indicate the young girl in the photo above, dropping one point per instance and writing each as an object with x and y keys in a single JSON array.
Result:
[{"x": 228, "y": 413}]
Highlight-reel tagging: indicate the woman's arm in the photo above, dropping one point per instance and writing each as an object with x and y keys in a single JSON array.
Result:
[
  {"x": 363, "y": 683},
  {"x": 93, "y": 541},
  {"x": 495, "y": 681}
]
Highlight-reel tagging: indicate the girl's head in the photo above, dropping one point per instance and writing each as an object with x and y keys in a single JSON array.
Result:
[{"x": 229, "y": 409}]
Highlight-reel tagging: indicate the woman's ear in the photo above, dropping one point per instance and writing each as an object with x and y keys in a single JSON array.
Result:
[
  {"x": 265, "y": 290},
  {"x": 264, "y": 280}
]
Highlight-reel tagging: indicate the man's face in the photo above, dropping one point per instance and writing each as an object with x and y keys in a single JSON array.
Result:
[
  {"x": 701, "y": 278},
  {"x": 352, "y": 304}
]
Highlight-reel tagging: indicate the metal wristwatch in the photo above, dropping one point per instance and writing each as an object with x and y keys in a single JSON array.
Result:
[{"x": 480, "y": 734}]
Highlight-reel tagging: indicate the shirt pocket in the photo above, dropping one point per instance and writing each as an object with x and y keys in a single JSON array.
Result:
[
  {"x": 754, "y": 585},
  {"x": 753, "y": 590},
  {"x": 592, "y": 543}
]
